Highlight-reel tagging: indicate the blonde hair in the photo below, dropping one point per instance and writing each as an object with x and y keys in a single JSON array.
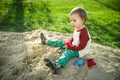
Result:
[{"x": 79, "y": 10}]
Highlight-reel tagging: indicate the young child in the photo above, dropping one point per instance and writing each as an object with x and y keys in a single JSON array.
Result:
[{"x": 77, "y": 46}]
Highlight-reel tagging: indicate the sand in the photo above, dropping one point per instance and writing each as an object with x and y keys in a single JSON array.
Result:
[{"x": 22, "y": 54}]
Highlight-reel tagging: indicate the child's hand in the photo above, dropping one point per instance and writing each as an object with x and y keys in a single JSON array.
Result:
[{"x": 67, "y": 43}]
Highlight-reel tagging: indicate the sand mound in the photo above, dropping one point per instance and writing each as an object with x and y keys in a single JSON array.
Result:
[{"x": 22, "y": 54}]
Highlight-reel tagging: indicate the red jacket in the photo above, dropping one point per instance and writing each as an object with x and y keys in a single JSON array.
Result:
[{"x": 79, "y": 41}]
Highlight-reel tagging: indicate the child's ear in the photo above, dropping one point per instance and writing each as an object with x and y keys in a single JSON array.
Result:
[{"x": 83, "y": 20}]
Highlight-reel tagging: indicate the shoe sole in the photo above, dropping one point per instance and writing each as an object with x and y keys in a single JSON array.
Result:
[
  {"x": 43, "y": 39},
  {"x": 51, "y": 65}
]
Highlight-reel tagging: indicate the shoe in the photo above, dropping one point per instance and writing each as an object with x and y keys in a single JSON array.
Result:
[
  {"x": 51, "y": 65},
  {"x": 43, "y": 39}
]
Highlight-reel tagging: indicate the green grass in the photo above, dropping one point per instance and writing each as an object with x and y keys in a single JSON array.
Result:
[{"x": 25, "y": 15}]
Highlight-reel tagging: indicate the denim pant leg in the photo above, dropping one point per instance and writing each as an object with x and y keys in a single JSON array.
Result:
[{"x": 66, "y": 56}]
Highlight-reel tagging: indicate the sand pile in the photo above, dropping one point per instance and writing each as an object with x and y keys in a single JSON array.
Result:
[{"x": 22, "y": 54}]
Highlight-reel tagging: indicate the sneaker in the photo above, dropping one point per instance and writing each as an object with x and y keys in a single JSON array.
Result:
[
  {"x": 51, "y": 65},
  {"x": 43, "y": 39}
]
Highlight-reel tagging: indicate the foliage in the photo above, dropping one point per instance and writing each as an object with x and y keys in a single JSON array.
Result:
[{"x": 19, "y": 15}]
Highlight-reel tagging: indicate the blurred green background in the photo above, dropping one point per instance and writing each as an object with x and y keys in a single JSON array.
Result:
[{"x": 25, "y": 15}]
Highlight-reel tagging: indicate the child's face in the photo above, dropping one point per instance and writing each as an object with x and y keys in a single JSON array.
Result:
[{"x": 76, "y": 21}]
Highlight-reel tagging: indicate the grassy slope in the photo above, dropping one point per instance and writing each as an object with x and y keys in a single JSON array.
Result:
[{"x": 103, "y": 17}]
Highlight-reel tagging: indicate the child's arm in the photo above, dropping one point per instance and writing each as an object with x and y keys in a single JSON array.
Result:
[{"x": 84, "y": 37}]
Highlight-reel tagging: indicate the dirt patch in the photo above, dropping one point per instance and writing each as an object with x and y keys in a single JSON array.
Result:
[{"x": 22, "y": 54}]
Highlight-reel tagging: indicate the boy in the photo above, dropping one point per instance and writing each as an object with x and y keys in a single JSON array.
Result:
[{"x": 77, "y": 46}]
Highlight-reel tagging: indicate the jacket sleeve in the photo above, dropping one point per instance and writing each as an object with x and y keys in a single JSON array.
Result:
[{"x": 83, "y": 39}]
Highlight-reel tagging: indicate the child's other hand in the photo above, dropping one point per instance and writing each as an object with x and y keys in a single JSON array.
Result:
[{"x": 67, "y": 43}]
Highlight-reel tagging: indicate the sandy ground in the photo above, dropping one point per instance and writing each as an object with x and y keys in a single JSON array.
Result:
[{"x": 22, "y": 54}]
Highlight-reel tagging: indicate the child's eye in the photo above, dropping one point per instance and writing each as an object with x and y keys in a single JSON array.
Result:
[{"x": 74, "y": 20}]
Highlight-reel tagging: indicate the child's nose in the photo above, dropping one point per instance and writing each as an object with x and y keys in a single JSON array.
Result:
[{"x": 72, "y": 23}]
